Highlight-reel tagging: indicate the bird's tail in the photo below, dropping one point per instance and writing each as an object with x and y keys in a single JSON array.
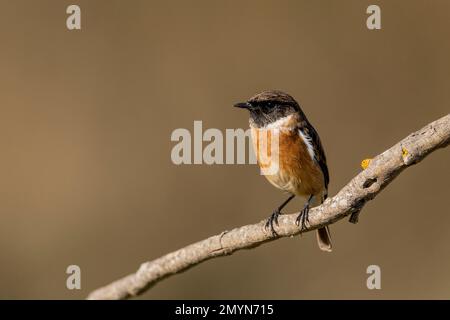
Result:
[
  {"x": 324, "y": 239},
  {"x": 323, "y": 234}
]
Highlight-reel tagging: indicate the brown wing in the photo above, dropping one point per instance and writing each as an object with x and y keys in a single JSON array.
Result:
[{"x": 319, "y": 154}]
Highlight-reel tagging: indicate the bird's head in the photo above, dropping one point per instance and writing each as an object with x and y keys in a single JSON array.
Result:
[{"x": 269, "y": 106}]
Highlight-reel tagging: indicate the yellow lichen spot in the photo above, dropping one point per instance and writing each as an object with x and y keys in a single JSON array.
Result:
[
  {"x": 365, "y": 163},
  {"x": 404, "y": 152}
]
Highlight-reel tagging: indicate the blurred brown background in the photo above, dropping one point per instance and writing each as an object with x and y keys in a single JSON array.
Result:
[{"x": 85, "y": 124}]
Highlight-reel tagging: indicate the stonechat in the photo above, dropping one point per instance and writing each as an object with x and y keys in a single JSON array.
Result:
[{"x": 301, "y": 164}]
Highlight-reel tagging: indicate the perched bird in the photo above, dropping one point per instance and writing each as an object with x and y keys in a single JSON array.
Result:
[{"x": 302, "y": 167}]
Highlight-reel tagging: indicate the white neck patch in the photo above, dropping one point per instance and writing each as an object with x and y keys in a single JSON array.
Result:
[{"x": 282, "y": 123}]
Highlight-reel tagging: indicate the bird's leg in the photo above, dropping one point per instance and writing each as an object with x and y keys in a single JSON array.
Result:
[
  {"x": 274, "y": 217},
  {"x": 303, "y": 218}
]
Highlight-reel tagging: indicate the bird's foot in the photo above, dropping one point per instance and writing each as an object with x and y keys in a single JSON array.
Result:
[
  {"x": 273, "y": 218},
  {"x": 303, "y": 218}
]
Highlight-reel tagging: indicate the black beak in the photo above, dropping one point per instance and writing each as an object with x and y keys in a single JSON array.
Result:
[{"x": 243, "y": 105}]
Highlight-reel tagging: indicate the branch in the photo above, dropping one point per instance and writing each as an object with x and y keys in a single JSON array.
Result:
[{"x": 349, "y": 201}]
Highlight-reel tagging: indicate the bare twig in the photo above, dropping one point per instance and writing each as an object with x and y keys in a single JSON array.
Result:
[{"x": 349, "y": 201}]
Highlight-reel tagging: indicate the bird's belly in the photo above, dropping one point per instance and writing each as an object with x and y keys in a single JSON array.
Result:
[
  {"x": 285, "y": 182},
  {"x": 296, "y": 172}
]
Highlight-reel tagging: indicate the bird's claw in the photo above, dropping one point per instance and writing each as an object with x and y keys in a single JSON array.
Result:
[
  {"x": 273, "y": 218},
  {"x": 303, "y": 218}
]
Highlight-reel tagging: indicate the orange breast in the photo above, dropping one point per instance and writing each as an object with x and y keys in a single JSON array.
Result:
[{"x": 297, "y": 172}]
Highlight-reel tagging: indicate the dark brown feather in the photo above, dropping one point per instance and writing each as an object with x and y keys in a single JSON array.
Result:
[{"x": 319, "y": 154}]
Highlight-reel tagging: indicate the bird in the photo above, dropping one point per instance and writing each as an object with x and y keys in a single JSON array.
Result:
[{"x": 300, "y": 158}]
